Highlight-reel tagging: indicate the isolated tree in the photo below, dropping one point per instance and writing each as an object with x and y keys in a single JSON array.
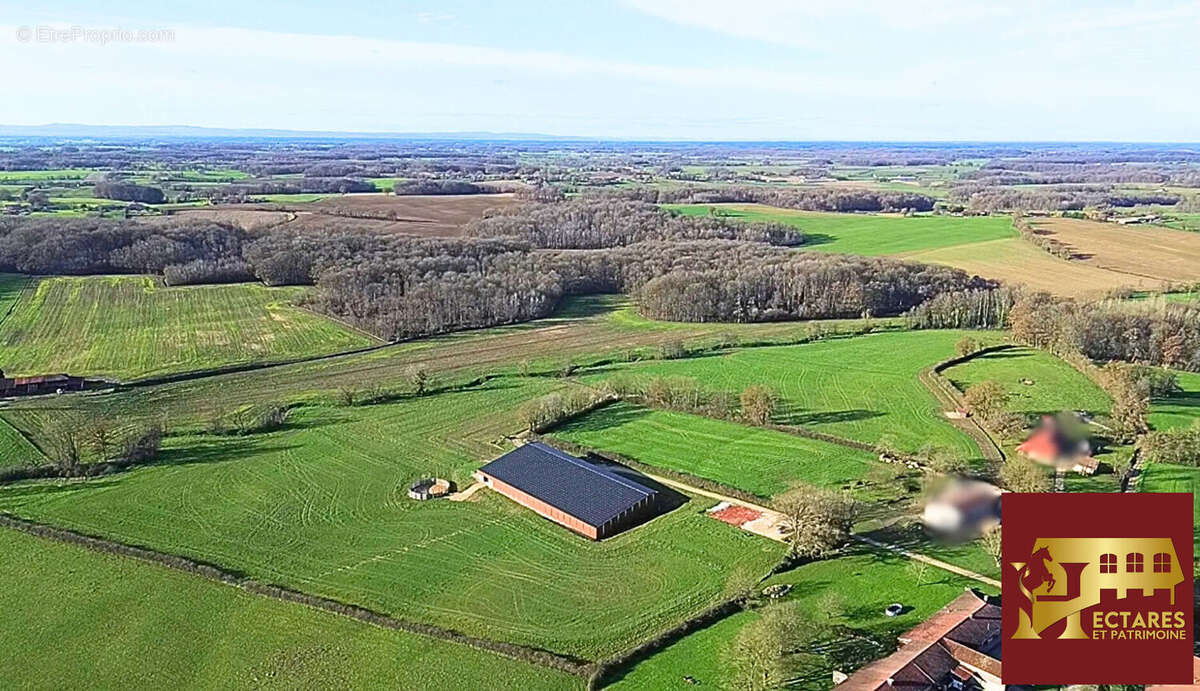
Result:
[
  {"x": 418, "y": 378},
  {"x": 820, "y": 520},
  {"x": 756, "y": 656},
  {"x": 758, "y": 404},
  {"x": 1022, "y": 475},
  {"x": 101, "y": 438},
  {"x": 347, "y": 395},
  {"x": 1129, "y": 387},
  {"x": 64, "y": 445},
  {"x": 991, "y": 540},
  {"x": 986, "y": 399},
  {"x": 671, "y": 350},
  {"x": 965, "y": 346}
]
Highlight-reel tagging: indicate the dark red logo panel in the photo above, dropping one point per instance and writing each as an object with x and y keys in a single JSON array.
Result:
[{"x": 1097, "y": 588}]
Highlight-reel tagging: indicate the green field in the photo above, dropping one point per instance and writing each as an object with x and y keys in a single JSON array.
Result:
[
  {"x": 1178, "y": 410},
  {"x": 10, "y": 291},
  {"x": 760, "y": 461},
  {"x": 1055, "y": 387},
  {"x": 845, "y": 596},
  {"x": 321, "y": 507},
  {"x": 869, "y": 234},
  {"x": 298, "y": 198},
  {"x": 110, "y": 622},
  {"x": 42, "y": 176},
  {"x": 15, "y": 450},
  {"x": 128, "y": 327},
  {"x": 1168, "y": 477},
  {"x": 863, "y": 388}
]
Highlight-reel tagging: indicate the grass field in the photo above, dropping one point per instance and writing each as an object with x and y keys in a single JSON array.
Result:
[
  {"x": 869, "y": 234},
  {"x": 1181, "y": 409},
  {"x": 322, "y": 507},
  {"x": 1168, "y": 477},
  {"x": 1056, "y": 385},
  {"x": 584, "y": 331},
  {"x": 110, "y": 622},
  {"x": 10, "y": 291},
  {"x": 15, "y": 450},
  {"x": 863, "y": 388},
  {"x": 753, "y": 459},
  {"x": 129, "y": 327},
  {"x": 1019, "y": 262},
  {"x": 846, "y": 596},
  {"x": 42, "y": 176}
]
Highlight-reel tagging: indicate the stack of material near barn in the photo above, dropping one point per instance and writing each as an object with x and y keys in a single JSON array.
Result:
[{"x": 590, "y": 499}]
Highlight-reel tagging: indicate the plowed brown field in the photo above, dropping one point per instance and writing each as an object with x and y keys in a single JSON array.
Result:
[{"x": 1145, "y": 251}]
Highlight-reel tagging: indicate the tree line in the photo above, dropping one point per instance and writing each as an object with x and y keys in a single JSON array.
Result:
[
  {"x": 840, "y": 199},
  {"x": 403, "y": 287},
  {"x": 602, "y": 223}
]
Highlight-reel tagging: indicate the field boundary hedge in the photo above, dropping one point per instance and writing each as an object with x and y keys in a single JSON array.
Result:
[
  {"x": 536, "y": 656},
  {"x": 945, "y": 391},
  {"x": 246, "y": 367}
]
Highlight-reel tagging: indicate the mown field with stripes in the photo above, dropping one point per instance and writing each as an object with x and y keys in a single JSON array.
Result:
[
  {"x": 863, "y": 388},
  {"x": 158, "y": 628},
  {"x": 321, "y": 507},
  {"x": 756, "y": 460},
  {"x": 126, "y": 327}
]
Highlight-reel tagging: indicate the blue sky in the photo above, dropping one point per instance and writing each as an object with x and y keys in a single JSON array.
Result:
[{"x": 699, "y": 69}]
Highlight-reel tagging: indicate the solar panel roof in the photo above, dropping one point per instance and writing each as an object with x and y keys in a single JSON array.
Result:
[{"x": 590, "y": 492}]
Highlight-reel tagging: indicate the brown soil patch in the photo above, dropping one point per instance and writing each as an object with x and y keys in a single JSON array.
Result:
[
  {"x": 1146, "y": 251},
  {"x": 428, "y": 216},
  {"x": 249, "y": 219},
  {"x": 1020, "y": 262}
]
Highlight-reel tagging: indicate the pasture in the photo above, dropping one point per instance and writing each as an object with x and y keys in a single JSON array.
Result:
[
  {"x": 321, "y": 506},
  {"x": 863, "y": 388},
  {"x": 585, "y": 331},
  {"x": 1054, "y": 386},
  {"x": 868, "y": 234},
  {"x": 756, "y": 460},
  {"x": 1154, "y": 252},
  {"x": 111, "y": 622},
  {"x": 11, "y": 287},
  {"x": 1168, "y": 477},
  {"x": 1019, "y": 262},
  {"x": 1181, "y": 409},
  {"x": 130, "y": 326},
  {"x": 15, "y": 450},
  {"x": 844, "y": 596}
]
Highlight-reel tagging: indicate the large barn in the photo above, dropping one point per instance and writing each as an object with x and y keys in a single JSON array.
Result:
[{"x": 590, "y": 499}]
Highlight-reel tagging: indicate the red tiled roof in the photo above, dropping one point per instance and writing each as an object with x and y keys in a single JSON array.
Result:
[
  {"x": 916, "y": 643},
  {"x": 1044, "y": 444}
]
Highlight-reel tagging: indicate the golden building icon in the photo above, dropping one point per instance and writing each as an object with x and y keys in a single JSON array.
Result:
[{"x": 1065, "y": 575}]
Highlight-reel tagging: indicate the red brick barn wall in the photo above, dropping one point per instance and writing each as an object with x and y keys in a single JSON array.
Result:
[{"x": 542, "y": 508}]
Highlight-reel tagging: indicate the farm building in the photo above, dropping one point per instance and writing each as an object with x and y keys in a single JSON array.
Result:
[
  {"x": 956, "y": 648},
  {"x": 1049, "y": 445},
  {"x": 34, "y": 386},
  {"x": 590, "y": 499},
  {"x": 965, "y": 507}
]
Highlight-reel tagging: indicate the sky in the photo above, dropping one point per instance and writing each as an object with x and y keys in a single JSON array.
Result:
[{"x": 923, "y": 70}]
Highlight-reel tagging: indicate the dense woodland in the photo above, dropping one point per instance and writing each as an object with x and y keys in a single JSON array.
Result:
[
  {"x": 844, "y": 199},
  {"x": 600, "y": 223},
  {"x": 401, "y": 287}
]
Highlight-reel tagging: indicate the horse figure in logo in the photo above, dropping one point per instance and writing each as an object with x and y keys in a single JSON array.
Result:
[{"x": 1036, "y": 573}]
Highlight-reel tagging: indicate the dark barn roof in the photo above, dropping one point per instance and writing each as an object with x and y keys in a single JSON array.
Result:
[{"x": 592, "y": 493}]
